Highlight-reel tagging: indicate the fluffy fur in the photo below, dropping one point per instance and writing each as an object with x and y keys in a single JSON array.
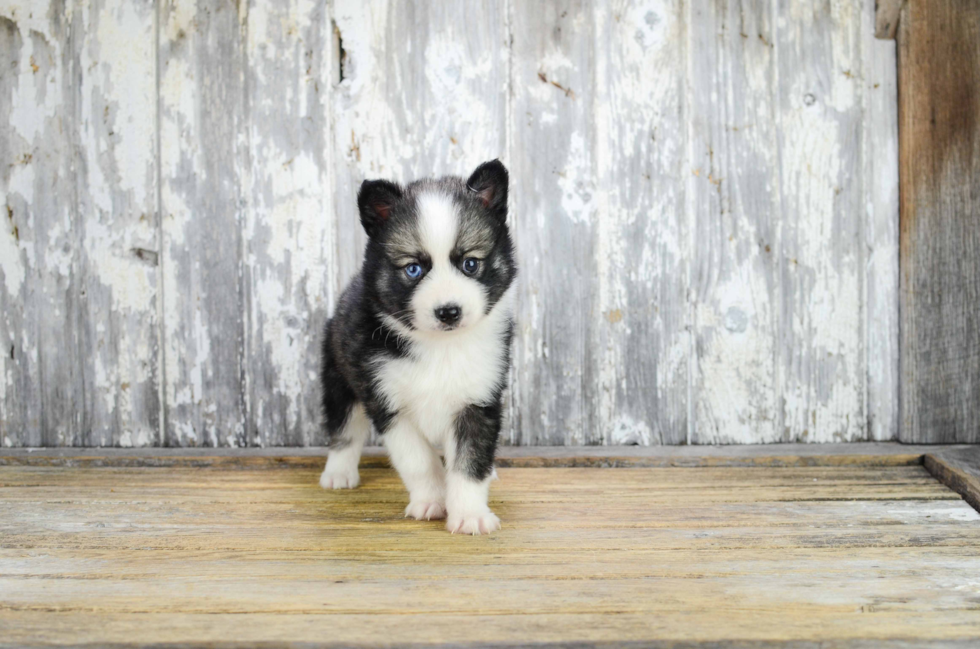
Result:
[{"x": 419, "y": 345}]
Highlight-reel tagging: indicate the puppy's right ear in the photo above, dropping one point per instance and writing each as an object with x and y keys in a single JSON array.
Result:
[{"x": 374, "y": 201}]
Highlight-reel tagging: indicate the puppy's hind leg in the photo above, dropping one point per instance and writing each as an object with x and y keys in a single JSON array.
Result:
[
  {"x": 345, "y": 421},
  {"x": 345, "y": 451}
]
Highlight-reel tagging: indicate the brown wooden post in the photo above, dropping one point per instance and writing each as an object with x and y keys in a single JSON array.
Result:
[{"x": 939, "y": 152}]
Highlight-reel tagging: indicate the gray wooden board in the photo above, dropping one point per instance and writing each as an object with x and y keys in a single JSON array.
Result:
[
  {"x": 39, "y": 395},
  {"x": 167, "y": 265},
  {"x": 639, "y": 343},
  {"x": 555, "y": 219},
  {"x": 880, "y": 181},
  {"x": 940, "y": 236},
  {"x": 733, "y": 182},
  {"x": 114, "y": 160},
  {"x": 202, "y": 163},
  {"x": 20, "y": 416},
  {"x": 819, "y": 238},
  {"x": 79, "y": 246},
  {"x": 287, "y": 229}
]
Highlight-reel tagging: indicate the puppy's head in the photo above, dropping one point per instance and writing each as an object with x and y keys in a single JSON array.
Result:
[{"x": 439, "y": 255}]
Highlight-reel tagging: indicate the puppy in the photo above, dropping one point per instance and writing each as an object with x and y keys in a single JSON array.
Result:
[{"x": 419, "y": 345}]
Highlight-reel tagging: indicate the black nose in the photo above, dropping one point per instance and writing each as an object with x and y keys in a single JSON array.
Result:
[{"x": 449, "y": 313}]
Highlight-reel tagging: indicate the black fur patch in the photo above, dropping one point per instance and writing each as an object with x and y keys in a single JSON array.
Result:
[
  {"x": 357, "y": 341},
  {"x": 477, "y": 429}
]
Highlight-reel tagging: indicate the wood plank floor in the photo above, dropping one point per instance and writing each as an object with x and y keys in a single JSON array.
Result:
[{"x": 671, "y": 555}]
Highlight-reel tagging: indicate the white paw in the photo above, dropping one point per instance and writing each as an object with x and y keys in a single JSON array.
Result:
[
  {"x": 484, "y": 523},
  {"x": 333, "y": 478},
  {"x": 425, "y": 510}
]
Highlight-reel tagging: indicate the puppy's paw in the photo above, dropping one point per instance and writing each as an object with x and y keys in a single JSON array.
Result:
[
  {"x": 334, "y": 478},
  {"x": 473, "y": 523},
  {"x": 424, "y": 510}
]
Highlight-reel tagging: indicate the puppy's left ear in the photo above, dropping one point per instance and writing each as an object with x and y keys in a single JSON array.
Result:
[{"x": 489, "y": 183}]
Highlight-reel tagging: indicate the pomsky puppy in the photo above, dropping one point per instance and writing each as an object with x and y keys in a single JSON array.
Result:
[{"x": 419, "y": 345}]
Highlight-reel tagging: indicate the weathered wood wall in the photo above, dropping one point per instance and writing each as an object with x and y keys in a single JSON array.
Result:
[
  {"x": 705, "y": 203},
  {"x": 939, "y": 54}
]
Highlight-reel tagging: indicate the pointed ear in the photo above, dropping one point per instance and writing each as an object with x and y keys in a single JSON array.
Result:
[
  {"x": 489, "y": 183},
  {"x": 374, "y": 201}
]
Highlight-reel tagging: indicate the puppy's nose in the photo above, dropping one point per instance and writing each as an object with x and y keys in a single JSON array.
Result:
[{"x": 449, "y": 313}]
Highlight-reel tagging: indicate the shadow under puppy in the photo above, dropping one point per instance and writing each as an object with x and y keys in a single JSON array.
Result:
[{"x": 420, "y": 343}]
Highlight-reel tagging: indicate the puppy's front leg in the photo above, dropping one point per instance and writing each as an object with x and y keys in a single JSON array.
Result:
[
  {"x": 420, "y": 469},
  {"x": 469, "y": 462}
]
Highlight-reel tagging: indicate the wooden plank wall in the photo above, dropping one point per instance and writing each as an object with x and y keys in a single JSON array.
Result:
[
  {"x": 79, "y": 252},
  {"x": 939, "y": 67},
  {"x": 704, "y": 201}
]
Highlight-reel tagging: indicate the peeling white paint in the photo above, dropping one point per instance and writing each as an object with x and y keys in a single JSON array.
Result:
[
  {"x": 37, "y": 97},
  {"x": 577, "y": 189},
  {"x": 660, "y": 296},
  {"x": 737, "y": 404},
  {"x": 125, "y": 38},
  {"x": 288, "y": 221},
  {"x": 133, "y": 284},
  {"x": 626, "y": 431},
  {"x": 11, "y": 261},
  {"x": 826, "y": 312}
]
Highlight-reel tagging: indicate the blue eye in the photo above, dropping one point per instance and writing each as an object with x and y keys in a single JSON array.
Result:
[
  {"x": 414, "y": 271},
  {"x": 470, "y": 265}
]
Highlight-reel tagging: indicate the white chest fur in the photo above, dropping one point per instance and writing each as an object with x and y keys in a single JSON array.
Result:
[{"x": 447, "y": 371}]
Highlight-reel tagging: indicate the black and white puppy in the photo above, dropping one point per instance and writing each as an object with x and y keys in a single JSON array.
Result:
[{"x": 419, "y": 345}]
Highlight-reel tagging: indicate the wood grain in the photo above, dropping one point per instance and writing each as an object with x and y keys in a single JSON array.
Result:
[
  {"x": 639, "y": 348},
  {"x": 732, "y": 180},
  {"x": 202, "y": 165},
  {"x": 287, "y": 229},
  {"x": 115, "y": 193},
  {"x": 880, "y": 190},
  {"x": 43, "y": 400},
  {"x": 939, "y": 121},
  {"x": 555, "y": 220},
  {"x": 704, "y": 205},
  {"x": 20, "y": 415},
  {"x": 80, "y": 326},
  {"x": 197, "y": 555},
  {"x": 820, "y": 249}
]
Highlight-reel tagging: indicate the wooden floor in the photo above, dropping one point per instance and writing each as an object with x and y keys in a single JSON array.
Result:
[{"x": 222, "y": 555}]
